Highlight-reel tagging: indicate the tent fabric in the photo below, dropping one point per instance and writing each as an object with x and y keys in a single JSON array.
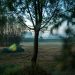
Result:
[{"x": 13, "y": 48}]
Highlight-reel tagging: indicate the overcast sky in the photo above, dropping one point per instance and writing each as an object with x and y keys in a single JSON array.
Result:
[{"x": 61, "y": 30}]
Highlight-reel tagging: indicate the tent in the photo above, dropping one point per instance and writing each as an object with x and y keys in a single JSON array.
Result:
[{"x": 13, "y": 48}]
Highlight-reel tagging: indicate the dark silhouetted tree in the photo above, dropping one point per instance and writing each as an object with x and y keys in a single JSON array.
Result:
[{"x": 38, "y": 12}]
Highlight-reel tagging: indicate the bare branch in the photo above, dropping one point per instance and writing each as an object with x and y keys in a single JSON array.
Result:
[
  {"x": 48, "y": 20},
  {"x": 50, "y": 17},
  {"x": 29, "y": 27},
  {"x": 30, "y": 15},
  {"x": 24, "y": 24}
]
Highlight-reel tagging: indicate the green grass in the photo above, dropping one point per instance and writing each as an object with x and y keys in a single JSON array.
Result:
[
  {"x": 20, "y": 62},
  {"x": 9, "y": 69},
  {"x": 13, "y": 69}
]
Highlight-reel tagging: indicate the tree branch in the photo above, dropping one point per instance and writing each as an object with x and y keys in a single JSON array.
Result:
[
  {"x": 24, "y": 24},
  {"x": 30, "y": 15},
  {"x": 35, "y": 9},
  {"x": 50, "y": 17},
  {"x": 48, "y": 20}
]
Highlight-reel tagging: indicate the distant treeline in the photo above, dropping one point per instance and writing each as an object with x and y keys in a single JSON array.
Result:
[
  {"x": 40, "y": 40},
  {"x": 7, "y": 40}
]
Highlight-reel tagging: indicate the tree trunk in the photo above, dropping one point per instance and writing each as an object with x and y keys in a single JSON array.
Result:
[{"x": 35, "y": 53}]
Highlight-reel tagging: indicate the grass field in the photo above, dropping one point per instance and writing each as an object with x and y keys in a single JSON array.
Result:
[
  {"x": 46, "y": 54},
  {"x": 46, "y": 51}
]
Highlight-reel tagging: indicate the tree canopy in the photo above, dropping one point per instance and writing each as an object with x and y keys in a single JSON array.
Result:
[{"x": 41, "y": 14}]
